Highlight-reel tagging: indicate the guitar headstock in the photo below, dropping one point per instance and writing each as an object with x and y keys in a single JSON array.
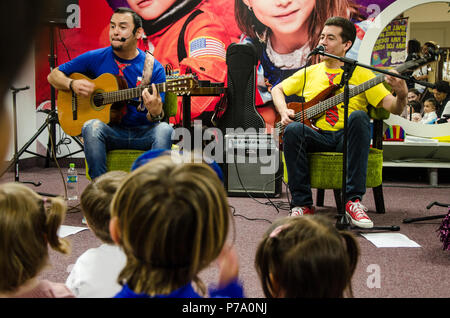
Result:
[{"x": 181, "y": 85}]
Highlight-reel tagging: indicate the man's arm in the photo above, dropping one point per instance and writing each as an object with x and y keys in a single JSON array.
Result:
[
  {"x": 395, "y": 105},
  {"x": 61, "y": 81}
]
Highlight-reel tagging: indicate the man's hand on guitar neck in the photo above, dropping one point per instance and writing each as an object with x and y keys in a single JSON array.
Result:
[
  {"x": 152, "y": 101},
  {"x": 82, "y": 87},
  {"x": 396, "y": 104}
]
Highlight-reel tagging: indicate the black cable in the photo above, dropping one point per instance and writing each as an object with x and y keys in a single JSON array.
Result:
[
  {"x": 233, "y": 212},
  {"x": 64, "y": 44}
]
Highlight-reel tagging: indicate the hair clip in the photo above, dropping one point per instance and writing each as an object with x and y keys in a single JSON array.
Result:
[{"x": 277, "y": 230}]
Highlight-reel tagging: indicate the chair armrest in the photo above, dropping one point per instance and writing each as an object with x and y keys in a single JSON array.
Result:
[
  {"x": 378, "y": 113},
  {"x": 170, "y": 105}
]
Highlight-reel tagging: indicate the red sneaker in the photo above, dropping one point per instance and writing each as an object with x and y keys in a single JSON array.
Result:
[
  {"x": 357, "y": 213},
  {"x": 299, "y": 211}
]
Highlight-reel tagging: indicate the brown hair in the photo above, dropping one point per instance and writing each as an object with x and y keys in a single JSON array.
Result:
[
  {"x": 306, "y": 257},
  {"x": 96, "y": 200},
  {"x": 27, "y": 227},
  {"x": 252, "y": 27},
  {"x": 173, "y": 222}
]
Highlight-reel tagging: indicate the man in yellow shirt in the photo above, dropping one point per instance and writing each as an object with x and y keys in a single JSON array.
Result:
[{"x": 337, "y": 37}]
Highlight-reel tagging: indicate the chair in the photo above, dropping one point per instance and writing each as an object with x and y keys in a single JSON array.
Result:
[
  {"x": 122, "y": 159},
  {"x": 326, "y": 167}
]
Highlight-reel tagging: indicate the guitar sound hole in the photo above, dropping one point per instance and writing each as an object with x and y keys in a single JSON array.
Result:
[{"x": 98, "y": 100}]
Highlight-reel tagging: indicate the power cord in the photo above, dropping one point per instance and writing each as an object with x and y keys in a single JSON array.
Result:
[{"x": 233, "y": 212}]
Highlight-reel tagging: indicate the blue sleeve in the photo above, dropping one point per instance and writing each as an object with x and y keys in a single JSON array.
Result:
[
  {"x": 232, "y": 290},
  {"x": 80, "y": 64},
  {"x": 159, "y": 76}
]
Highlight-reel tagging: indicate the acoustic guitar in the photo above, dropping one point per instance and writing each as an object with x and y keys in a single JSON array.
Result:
[
  {"x": 307, "y": 112},
  {"x": 108, "y": 98}
]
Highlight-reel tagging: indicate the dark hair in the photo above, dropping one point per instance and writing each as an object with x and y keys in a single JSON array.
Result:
[
  {"x": 416, "y": 105},
  {"x": 137, "y": 20},
  {"x": 413, "y": 46},
  {"x": 433, "y": 101},
  {"x": 348, "y": 28},
  {"x": 443, "y": 87},
  {"x": 415, "y": 91}
]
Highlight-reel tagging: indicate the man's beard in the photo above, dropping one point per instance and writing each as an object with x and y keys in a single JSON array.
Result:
[{"x": 117, "y": 47}]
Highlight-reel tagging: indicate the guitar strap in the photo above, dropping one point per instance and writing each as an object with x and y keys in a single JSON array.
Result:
[
  {"x": 148, "y": 68},
  {"x": 146, "y": 74}
]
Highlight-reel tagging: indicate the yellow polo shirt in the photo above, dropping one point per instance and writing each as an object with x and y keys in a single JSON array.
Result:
[{"x": 319, "y": 77}]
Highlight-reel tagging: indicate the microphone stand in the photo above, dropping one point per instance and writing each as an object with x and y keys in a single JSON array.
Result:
[{"x": 349, "y": 66}]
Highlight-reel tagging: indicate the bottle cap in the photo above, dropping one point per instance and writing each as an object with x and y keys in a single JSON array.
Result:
[{"x": 71, "y": 165}]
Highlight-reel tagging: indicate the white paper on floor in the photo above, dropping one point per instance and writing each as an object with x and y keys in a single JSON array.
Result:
[
  {"x": 390, "y": 240},
  {"x": 66, "y": 230}
]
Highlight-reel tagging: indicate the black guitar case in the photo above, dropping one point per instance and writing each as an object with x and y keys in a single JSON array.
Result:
[{"x": 240, "y": 111}]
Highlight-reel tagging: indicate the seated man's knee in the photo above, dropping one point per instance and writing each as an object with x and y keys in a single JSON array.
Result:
[
  {"x": 164, "y": 129},
  {"x": 91, "y": 127},
  {"x": 292, "y": 131},
  {"x": 359, "y": 117}
]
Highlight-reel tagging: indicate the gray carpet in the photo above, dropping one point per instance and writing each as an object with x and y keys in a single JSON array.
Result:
[{"x": 403, "y": 272}]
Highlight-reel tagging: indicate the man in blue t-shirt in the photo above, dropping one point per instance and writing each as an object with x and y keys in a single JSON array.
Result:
[{"x": 136, "y": 129}]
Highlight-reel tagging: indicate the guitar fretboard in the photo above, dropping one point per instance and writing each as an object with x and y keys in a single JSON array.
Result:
[{"x": 125, "y": 94}]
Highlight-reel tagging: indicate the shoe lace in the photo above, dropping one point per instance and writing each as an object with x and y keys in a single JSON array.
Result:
[
  {"x": 359, "y": 209},
  {"x": 297, "y": 211}
]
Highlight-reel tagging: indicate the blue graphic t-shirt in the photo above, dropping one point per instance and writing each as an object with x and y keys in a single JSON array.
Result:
[{"x": 97, "y": 62}]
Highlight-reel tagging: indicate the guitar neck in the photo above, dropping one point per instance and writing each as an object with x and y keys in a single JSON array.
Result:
[
  {"x": 339, "y": 98},
  {"x": 129, "y": 93}
]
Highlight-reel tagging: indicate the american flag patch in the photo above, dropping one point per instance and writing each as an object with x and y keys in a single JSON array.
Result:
[{"x": 206, "y": 47}]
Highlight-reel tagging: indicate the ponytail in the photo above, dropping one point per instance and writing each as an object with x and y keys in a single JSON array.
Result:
[{"x": 54, "y": 218}]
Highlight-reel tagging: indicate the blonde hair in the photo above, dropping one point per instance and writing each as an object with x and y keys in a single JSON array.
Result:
[
  {"x": 173, "y": 222},
  {"x": 26, "y": 227},
  {"x": 95, "y": 202},
  {"x": 306, "y": 257}
]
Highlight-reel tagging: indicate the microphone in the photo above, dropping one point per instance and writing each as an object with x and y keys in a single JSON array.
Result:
[
  {"x": 123, "y": 39},
  {"x": 319, "y": 49}
]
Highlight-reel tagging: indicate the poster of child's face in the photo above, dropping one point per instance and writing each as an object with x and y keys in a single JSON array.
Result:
[{"x": 369, "y": 8}]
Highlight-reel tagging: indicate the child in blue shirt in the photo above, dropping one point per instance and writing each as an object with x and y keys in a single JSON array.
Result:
[{"x": 172, "y": 220}]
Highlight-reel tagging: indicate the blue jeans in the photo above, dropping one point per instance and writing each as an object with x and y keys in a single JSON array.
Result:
[
  {"x": 300, "y": 139},
  {"x": 99, "y": 138}
]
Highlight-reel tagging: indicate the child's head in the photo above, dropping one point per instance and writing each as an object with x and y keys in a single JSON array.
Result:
[
  {"x": 306, "y": 257},
  {"x": 429, "y": 105},
  {"x": 254, "y": 17},
  {"x": 96, "y": 200},
  {"x": 172, "y": 220},
  {"x": 27, "y": 226}
]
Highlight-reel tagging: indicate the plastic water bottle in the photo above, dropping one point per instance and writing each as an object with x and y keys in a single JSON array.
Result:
[{"x": 72, "y": 183}]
